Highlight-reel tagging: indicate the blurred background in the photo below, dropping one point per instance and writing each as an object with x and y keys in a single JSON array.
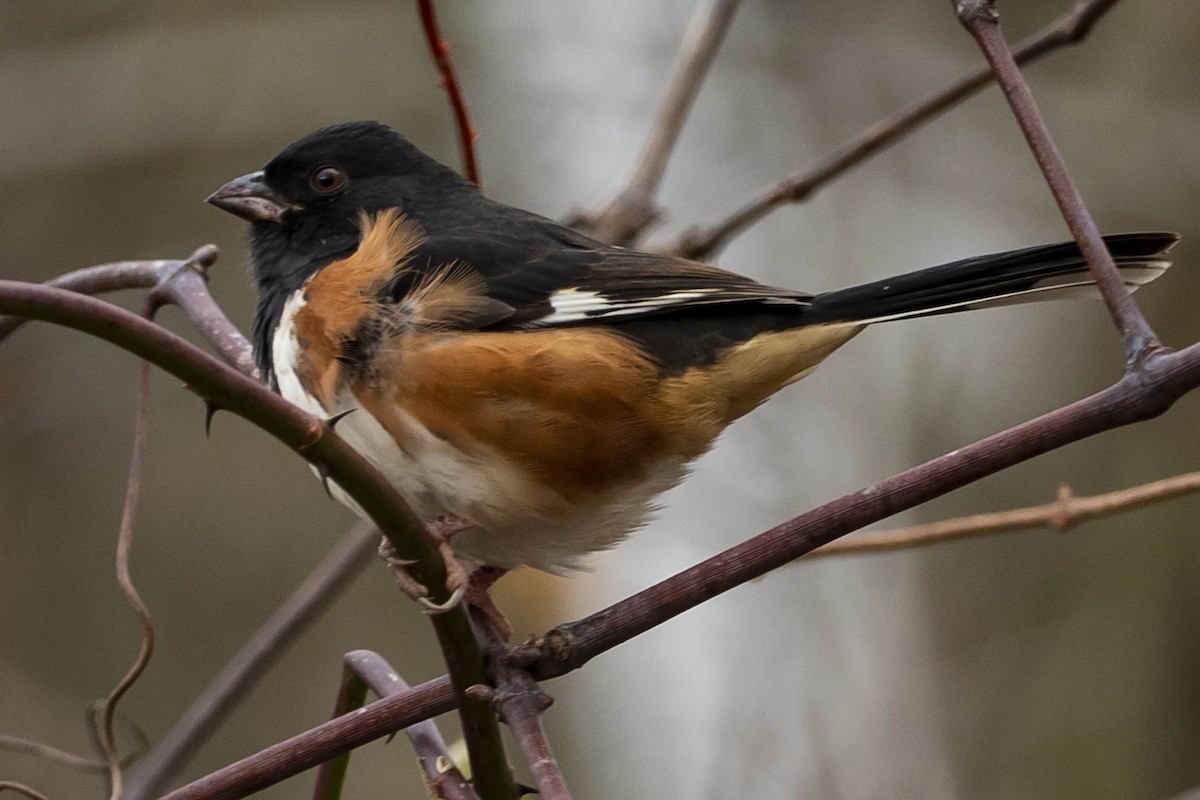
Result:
[{"x": 1031, "y": 666}]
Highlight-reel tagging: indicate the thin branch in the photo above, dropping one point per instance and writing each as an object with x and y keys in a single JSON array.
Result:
[
  {"x": 331, "y": 776},
  {"x": 20, "y": 788},
  {"x": 439, "y": 48},
  {"x": 628, "y": 214},
  {"x": 181, "y": 283},
  {"x": 982, "y": 21},
  {"x": 315, "y": 441},
  {"x": 18, "y": 744},
  {"x": 306, "y": 603},
  {"x": 441, "y": 776},
  {"x": 312, "y": 747},
  {"x": 1063, "y": 514},
  {"x": 107, "y": 727},
  {"x": 522, "y": 704},
  {"x": 700, "y": 243}
]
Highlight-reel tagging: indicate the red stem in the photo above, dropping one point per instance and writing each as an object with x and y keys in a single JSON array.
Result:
[{"x": 439, "y": 48}]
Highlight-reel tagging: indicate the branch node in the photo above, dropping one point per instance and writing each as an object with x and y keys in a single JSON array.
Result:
[
  {"x": 203, "y": 258},
  {"x": 1063, "y": 517},
  {"x": 481, "y": 692},
  {"x": 971, "y": 10}
]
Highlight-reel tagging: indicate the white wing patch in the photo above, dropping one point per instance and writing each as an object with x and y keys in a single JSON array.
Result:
[{"x": 578, "y": 305}]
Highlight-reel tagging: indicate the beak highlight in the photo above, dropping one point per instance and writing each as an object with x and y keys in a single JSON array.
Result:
[{"x": 250, "y": 198}]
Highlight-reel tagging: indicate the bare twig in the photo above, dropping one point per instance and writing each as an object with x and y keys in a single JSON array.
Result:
[
  {"x": 441, "y": 776},
  {"x": 107, "y": 728},
  {"x": 315, "y": 594},
  {"x": 628, "y": 214},
  {"x": 20, "y": 788},
  {"x": 440, "y": 49},
  {"x": 1069, "y": 28},
  {"x": 982, "y": 21},
  {"x": 331, "y": 775},
  {"x": 1065, "y": 513},
  {"x": 310, "y": 748},
  {"x": 521, "y": 704},
  {"x": 182, "y": 283},
  {"x": 17, "y": 744}
]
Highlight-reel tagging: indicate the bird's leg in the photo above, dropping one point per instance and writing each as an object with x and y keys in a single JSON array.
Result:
[
  {"x": 443, "y": 529},
  {"x": 473, "y": 588}
]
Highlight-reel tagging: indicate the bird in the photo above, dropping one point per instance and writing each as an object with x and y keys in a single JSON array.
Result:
[{"x": 528, "y": 390}]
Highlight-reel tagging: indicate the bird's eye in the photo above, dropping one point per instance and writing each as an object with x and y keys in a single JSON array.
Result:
[{"x": 327, "y": 179}]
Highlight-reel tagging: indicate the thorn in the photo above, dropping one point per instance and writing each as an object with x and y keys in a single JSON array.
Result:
[
  {"x": 338, "y": 417},
  {"x": 323, "y": 474},
  {"x": 210, "y": 410}
]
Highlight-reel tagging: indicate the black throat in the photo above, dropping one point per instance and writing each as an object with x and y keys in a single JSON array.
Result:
[{"x": 283, "y": 263}]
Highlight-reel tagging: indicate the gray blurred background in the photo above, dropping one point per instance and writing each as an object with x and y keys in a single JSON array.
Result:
[{"x": 1031, "y": 666}]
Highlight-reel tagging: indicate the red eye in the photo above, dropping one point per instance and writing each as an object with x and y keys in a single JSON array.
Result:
[{"x": 327, "y": 179}]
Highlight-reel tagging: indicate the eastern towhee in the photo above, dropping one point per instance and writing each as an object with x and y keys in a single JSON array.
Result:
[{"x": 538, "y": 386}]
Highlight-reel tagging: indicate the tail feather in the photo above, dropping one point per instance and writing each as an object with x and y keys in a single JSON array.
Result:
[{"x": 1046, "y": 272}]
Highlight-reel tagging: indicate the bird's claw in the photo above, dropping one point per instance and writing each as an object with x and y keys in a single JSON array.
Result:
[
  {"x": 433, "y": 609},
  {"x": 457, "y": 580}
]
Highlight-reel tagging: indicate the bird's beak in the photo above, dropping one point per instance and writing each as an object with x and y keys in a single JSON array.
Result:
[{"x": 250, "y": 198}]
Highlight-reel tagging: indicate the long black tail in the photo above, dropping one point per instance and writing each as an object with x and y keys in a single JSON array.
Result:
[{"x": 1046, "y": 272}]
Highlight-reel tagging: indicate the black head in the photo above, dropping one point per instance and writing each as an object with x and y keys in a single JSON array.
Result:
[{"x": 303, "y": 205}]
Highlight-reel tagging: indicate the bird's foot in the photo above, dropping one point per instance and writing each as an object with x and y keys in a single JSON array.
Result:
[{"x": 443, "y": 529}]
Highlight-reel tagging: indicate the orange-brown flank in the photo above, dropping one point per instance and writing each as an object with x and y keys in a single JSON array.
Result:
[{"x": 581, "y": 409}]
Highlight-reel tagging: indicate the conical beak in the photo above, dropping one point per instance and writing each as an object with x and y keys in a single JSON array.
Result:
[{"x": 250, "y": 198}]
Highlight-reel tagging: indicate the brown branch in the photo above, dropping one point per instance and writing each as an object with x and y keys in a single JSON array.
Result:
[
  {"x": 305, "y": 604},
  {"x": 699, "y": 243},
  {"x": 626, "y": 216},
  {"x": 439, "y": 48},
  {"x": 441, "y": 776},
  {"x": 331, "y": 775},
  {"x": 1061, "y": 515},
  {"x": 316, "y": 442},
  {"x": 521, "y": 705},
  {"x": 982, "y": 21},
  {"x": 181, "y": 283},
  {"x": 312, "y": 747}
]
